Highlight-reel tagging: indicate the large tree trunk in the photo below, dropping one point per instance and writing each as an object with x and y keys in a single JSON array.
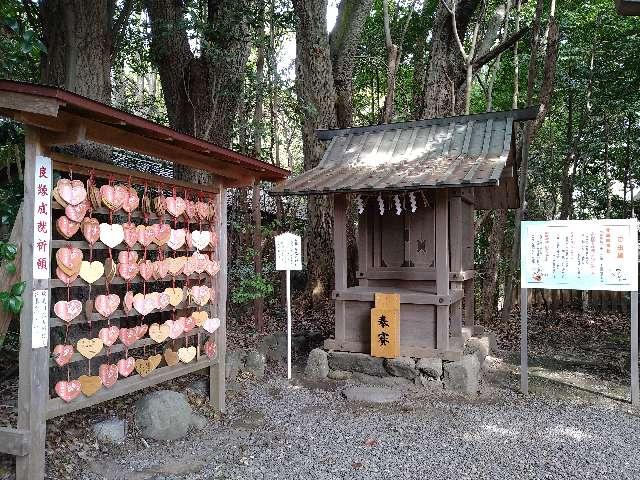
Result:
[
  {"x": 202, "y": 93},
  {"x": 324, "y": 71},
  {"x": 446, "y": 70},
  {"x": 496, "y": 238}
]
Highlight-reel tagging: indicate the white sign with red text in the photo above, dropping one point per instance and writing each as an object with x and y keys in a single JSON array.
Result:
[{"x": 42, "y": 218}]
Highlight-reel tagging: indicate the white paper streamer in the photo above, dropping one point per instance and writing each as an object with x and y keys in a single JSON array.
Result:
[
  {"x": 359, "y": 203},
  {"x": 412, "y": 199},
  {"x": 381, "y": 204},
  {"x": 396, "y": 200}
]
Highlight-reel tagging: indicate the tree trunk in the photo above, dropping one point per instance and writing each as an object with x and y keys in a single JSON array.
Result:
[
  {"x": 496, "y": 238},
  {"x": 324, "y": 71}
]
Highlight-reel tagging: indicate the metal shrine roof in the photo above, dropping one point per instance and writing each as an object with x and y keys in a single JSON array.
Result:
[{"x": 464, "y": 151}]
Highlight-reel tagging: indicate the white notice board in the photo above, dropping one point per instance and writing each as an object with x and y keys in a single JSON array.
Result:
[
  {"x": 580, "y": 254},
  {"x": 288, "y": 252}
]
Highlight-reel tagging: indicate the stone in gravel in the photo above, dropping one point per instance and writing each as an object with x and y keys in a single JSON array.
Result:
[
  {"x": 317, "y": 364},
  {"x": 339, "y": 375},
  {"x": 463, "y": 375},
  {"x": 380, "y": 381},
  {"x": 371, "y": 394},
  {"x": 112, "y": 431},
  {"x": 429, "y": 383},
  {"x": 478, "y": 346},
  {"x": 357, "y": 362},
  {"x": 255, "y": 364},
  {"x": 430, "y": 367},
  {"x": 163, "y": 415},
  {"x": 233, "y": 363},
  {"x": 268, "y": 346},
  {"x": 401, "y": 367},
  {"x": 199, "y": 422},
  {"x": 200, "y": 386}
]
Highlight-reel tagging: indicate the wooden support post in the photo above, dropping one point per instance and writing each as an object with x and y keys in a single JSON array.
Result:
[
  {"x": 364, "y": 246},
  {"x": 340, "y": 256},
  {"x": 456, "y": 256},
  {"x": 217, "y": 388},
  {"x": 442, "y": 267},
  {"x": 33, "y": 388}
]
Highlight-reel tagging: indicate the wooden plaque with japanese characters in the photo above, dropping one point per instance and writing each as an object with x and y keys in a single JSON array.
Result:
[{"x": 385, "y": 332}]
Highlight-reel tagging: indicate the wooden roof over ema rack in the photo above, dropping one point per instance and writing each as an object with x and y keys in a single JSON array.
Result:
[
  {"x": 69, "y": 119},
  {"x": 465, "y": 151}
]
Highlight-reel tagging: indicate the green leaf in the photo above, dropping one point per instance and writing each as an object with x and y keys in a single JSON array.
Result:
[
  {"x": 15, "y": 304},
  {"x": 18, "y": 289},
  {"x": 4, "y": 297},
  {"x": 10, "y": 267}
]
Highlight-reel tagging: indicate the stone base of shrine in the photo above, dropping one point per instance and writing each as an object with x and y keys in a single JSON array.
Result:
[{"x": 462, "y": 375}]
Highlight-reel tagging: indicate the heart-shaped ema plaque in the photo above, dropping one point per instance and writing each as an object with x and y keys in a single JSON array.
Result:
[
  {"x": 186, "y": 354},
  {"x": 108, "y": 374},
  {"x": 89, "y": 347},
  {"x": 90, "y": 230},
  {"x": 66, "y": 227},
  {"x": 111, "y": 235},
  {"x": 127, "y": 302},
  {"x": 71, "y": 192},
  {"x": 68, "y": 391},
  {"x": 158, "y": 333},
  {"x": 189, "y": 324},
  {"x": 176, "y": 206},
  {"x": 109, "y": 335},
  {"x": 161, "y": 269},
  {"x": 200, "y": 239},
  {"x": 62, "y": 354},
  {"x": 145, "y": 367},
  {"x": 107, "y": 304},
  {"x": 113, "y": 196},
  {"x": 67, "y": 311},
  {"x": 176, "y": 239},
  {"x": 90, "y": 272},
  {"x": 202, "y": 210},
  {"x": 171, "y": 357},
  {"x": 130, "y": 234},
  {"x": 144, "y": 304},
  {"x": 90, "y": 384},
  {"x": 64, "y": 277},
  {"x": 146, "y": 234},
  {"x": 175, "y": 296},
  {"x": 175, "y": 265},
  {"x": 76, "y": 213},
  {"x": 140, "y": 330},
  {"x": 200, "y": 317},
  {"x": 69, "y": 260},
  {"x": 131, "y": 200},
  {"x": 212, "y": 268},
  {"x": 128, "y": 336},
  {"x": 146, "y": 269},
  {"x": 161, "y": 233},
  {"x": 176, "y": 327},
  {"x": 200, "y": 294},
  {"x": 211, "y": 324},
  {"x": 210, "y": 348},
  {"x": 190, "y": 209},
  {"x": 128, "y": 264},
  {"x": 126, "y": 366}
]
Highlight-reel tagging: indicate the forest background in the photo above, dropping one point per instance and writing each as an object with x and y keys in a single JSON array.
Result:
[{"x": 259, "y": 76}]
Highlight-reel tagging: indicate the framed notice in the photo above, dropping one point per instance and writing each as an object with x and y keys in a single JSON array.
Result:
[
  {"x": 288, "y": 252},
  {"x": 580, "y": 255}
]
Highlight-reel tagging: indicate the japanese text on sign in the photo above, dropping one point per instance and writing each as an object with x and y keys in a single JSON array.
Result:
[
  {"x": 42, "y": 218},
  {"x": 40, "y": 319},
  {"x": 288, "y": 252},
  {"x": 580, "y": 254}
]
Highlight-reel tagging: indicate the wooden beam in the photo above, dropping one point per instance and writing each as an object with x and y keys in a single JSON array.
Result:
[
  {"x": 365, "y": 244},
  {"x": 412, "y": 273},
  {"x": 353, "y": 294},
  {"x": 65, "y": 162},
  {"x": 29, "y": 103},
  {"x": 46, "y": 122},
  {"x": 116, "y": 137},
  {"x": 340, "y": 259},
  {"x": 75, "y": 133},
  {"x": 15, "y": 441}
]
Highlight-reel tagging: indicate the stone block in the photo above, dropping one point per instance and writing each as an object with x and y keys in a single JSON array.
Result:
[
  {"x": 317, "y": 364},
  {"x": 112, "y": 431},
  {"x": 430, "y": 367},
  {"x": 463, "y": 375},
  {"x": 163, "y": 415},
  {"x": 255, "y": 363},
  {"x": 357, "y": 362},
  {"x": 401, "y": 367},
  {"x": 478, "y": 346}
]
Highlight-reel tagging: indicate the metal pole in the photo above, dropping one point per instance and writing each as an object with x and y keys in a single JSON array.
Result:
[
  {"x": 289, "y": 324},
  {"x": 524, "y": 354},
  {"x": 635, "y": 386}
]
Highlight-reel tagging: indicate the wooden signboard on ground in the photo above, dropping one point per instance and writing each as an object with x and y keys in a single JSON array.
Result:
[{"x": 385, "y": 326}]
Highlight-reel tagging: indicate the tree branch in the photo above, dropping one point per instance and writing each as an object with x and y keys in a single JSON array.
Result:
[
  {"x": 500, "y": 48},
  {"x": 120, "y": 24},
  {"x": 454, "y": 24}
]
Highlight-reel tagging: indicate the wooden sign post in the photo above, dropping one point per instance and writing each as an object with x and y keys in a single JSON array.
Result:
[
  {"x": 385, "y": 326},
  {"x": 580, "y": 255},
  {"x": 288, "y": 257}
]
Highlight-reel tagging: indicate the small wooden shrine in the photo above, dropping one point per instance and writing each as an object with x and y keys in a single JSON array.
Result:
[
  {"x": 416, "y": 186},
  {"x": 125, "y": 269}
]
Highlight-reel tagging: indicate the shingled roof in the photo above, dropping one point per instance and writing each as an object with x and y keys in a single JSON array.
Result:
[{"x": 464, "y": 151}]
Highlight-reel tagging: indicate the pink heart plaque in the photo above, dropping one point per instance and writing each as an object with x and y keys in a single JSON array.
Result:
[
  {"x": 210, "y": 348},
  {"x": 67, "y": 311},
  {"x": 62, "y": 354},
  {"x": 68, "y": 391},
  {"x": 126, "y": 366},
  {"x": 128, "y": 336},
  {"x": 71, "y": 191},
  {"x": 107, "y": 304},
  {"x": 108, "y": 373},
  {"x": 176, "y": 327},
  {"x": 109, "y": 335}
]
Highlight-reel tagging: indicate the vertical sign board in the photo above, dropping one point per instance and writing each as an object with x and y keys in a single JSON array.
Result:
[
  {"x": 385, "y": 325},
  {"x": 580, "y": 255},
  {"x": 288, "y": 257},
  {"x": 41, "y": 250}
]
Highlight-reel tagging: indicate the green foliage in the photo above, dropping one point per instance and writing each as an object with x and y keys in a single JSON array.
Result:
[
  {"x": 11, "y": 194},
  {"x": 11, "y": 300},
  {"x": 20, "y": 45},
  {"x": 248, "y": 285}
]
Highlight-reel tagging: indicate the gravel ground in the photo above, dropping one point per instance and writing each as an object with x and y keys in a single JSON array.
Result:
[{"x": 274, "y": 430}]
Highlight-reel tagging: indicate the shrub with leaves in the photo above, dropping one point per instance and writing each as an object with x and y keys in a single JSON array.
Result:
[{"x": 11, "y": 300}]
